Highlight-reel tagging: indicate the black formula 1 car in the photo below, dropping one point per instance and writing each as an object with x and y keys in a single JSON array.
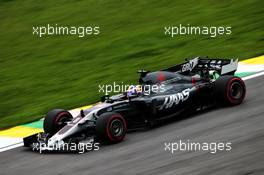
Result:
[{"x": 193, "y": 86}]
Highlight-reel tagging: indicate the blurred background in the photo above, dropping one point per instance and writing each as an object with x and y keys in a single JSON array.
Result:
[{"x": 39, "y": 74}]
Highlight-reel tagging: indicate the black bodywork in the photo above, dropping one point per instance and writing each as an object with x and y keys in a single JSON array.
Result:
[
  {"x": 185, "y": 89},
  {"x": 171, "y": 92}
]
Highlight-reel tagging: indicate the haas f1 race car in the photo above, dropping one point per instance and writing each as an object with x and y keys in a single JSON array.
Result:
[{"x": 192, "y": 86}]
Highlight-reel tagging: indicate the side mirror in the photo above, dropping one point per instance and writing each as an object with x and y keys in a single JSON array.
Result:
[
  {"x": 82, "y": 113},
  {"x": 142, "y": 72},
  {"x": 104, "y": 98}
]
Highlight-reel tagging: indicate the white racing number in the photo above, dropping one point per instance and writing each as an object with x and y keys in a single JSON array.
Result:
[{"x": 175, "y": 99}]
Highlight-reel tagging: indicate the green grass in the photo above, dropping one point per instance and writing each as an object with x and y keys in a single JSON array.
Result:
[{"x": 38, "y": 74}]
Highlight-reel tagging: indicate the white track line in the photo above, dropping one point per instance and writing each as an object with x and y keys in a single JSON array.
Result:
[
  {"x": 253, "y": 76},
  {"x": 12, "y": 146}
]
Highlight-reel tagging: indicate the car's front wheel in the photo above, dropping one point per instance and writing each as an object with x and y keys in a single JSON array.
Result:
[
  {"x": 55, "y": 120},
  {"x": 111, "y": 127}
]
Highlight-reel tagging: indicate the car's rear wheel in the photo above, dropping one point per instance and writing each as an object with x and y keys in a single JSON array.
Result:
[
  {"x": 111, "y": 127},
  {"x": 55, "y": 120},
  {"x": 230, "y": 90}
]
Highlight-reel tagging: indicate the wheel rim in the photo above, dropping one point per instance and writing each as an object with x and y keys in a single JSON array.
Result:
[
  {"x": 236, "y": 91},
  {"x": 116, "y": 128},
  {"x": 62, "y": 119}
]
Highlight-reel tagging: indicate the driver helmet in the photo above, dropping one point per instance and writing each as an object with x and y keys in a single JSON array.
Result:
[{"x": 134, "y": 91}]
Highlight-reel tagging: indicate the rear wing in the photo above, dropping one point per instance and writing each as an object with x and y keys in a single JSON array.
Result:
[{"x": 221, "y": 66}]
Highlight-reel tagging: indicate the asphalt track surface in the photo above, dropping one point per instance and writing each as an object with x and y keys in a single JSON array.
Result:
[{"x": 143, "y": 152}]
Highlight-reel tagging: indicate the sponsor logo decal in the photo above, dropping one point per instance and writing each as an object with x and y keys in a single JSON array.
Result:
[
  {"x": 175, "y": 99},
  {"x": 190, "y": 65},
  {"x": 187, "y": 67}
]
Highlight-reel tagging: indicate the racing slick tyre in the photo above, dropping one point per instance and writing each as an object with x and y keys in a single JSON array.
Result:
[
  {"x": 111, "y": 127},
  {"x": 230, "y": 90},
  {"x": 55, "y": 120}
]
